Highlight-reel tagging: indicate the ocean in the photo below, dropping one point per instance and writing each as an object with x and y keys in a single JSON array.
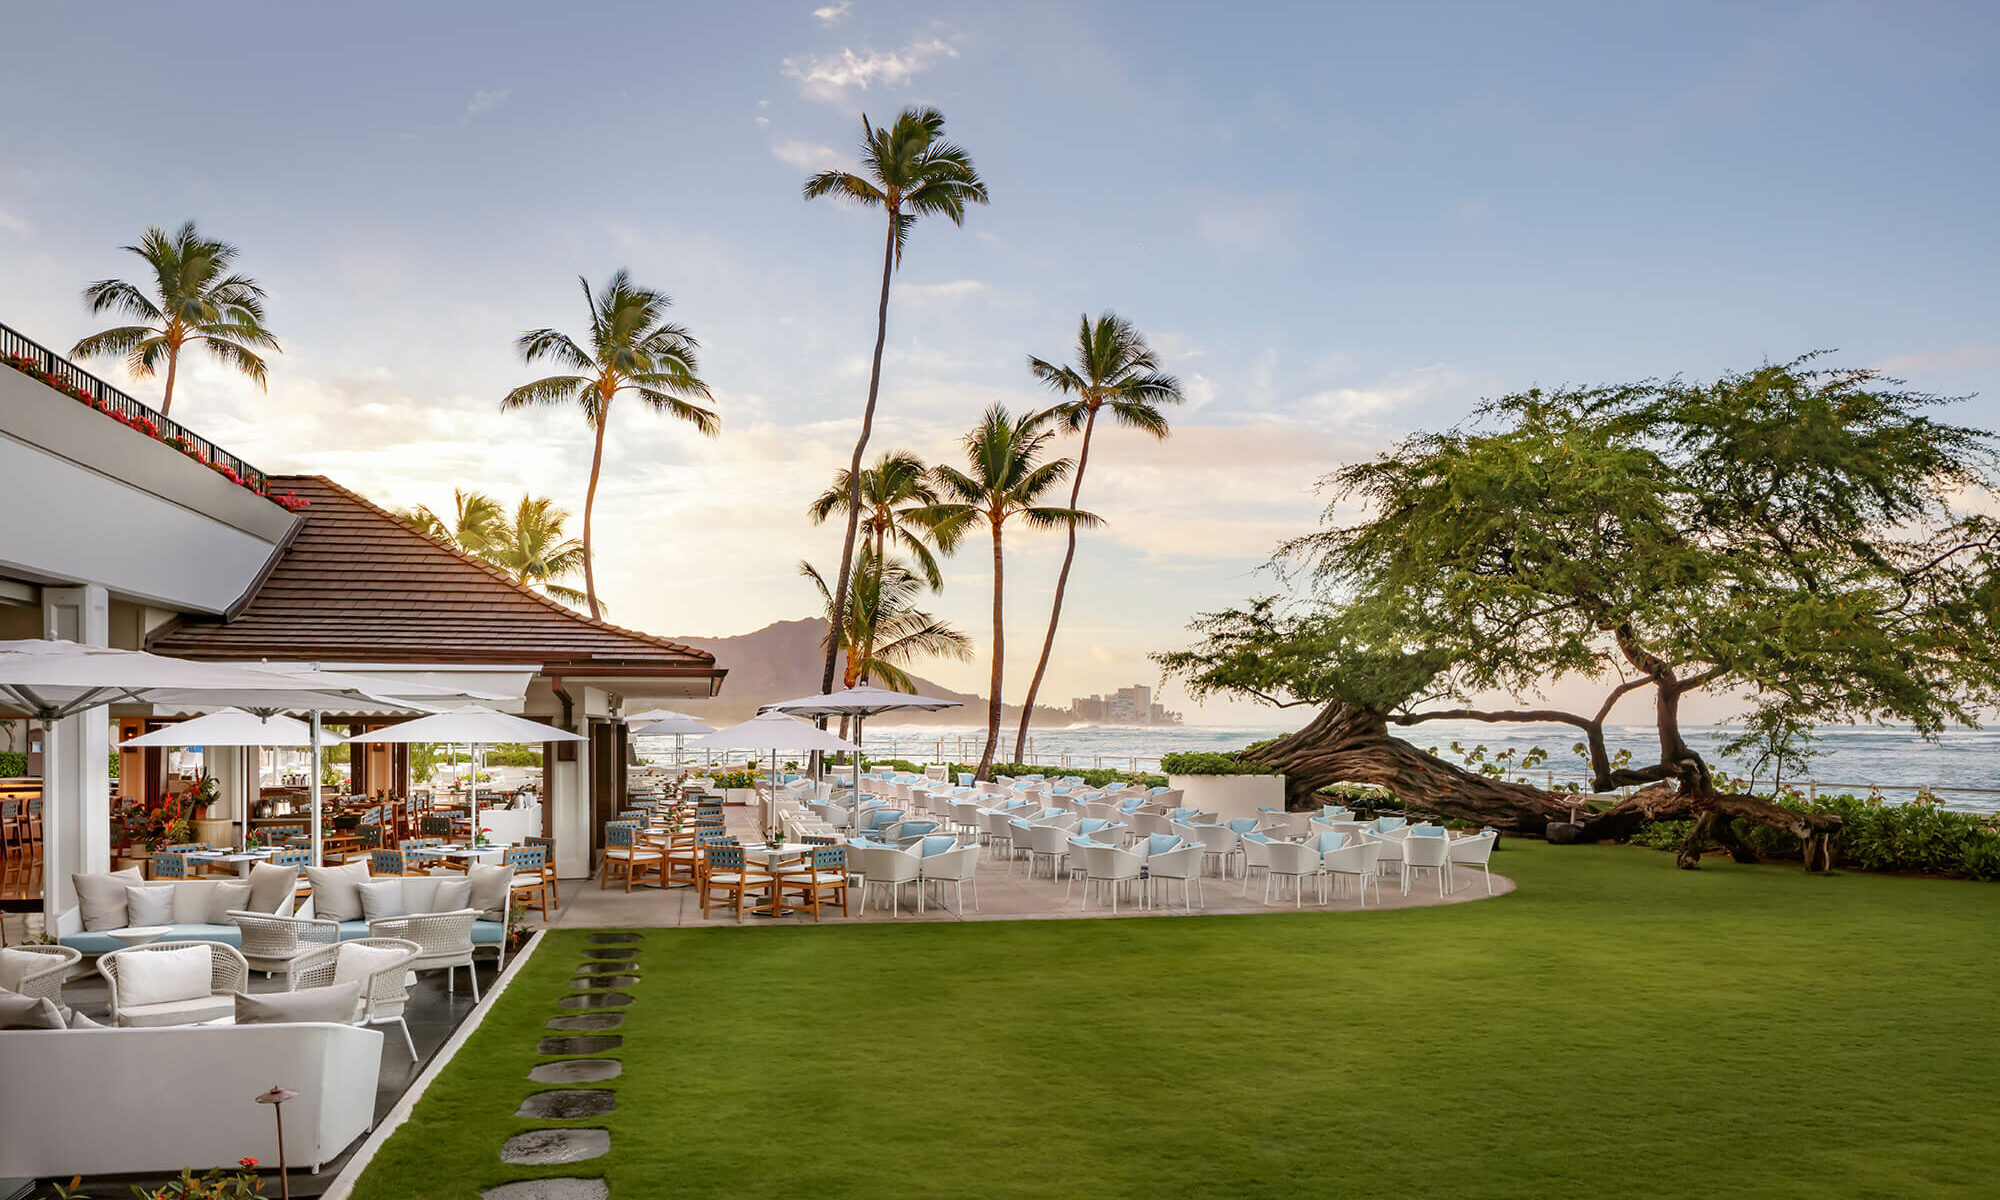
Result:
[{"x": 1852, "y": 758}]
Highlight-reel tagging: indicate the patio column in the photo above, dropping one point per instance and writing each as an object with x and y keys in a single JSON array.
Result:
[
  {"x": 76, "y": 769},
  {"x": 566, "y": 797}
]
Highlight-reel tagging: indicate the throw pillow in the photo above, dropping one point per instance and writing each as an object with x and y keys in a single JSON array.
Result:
[
  {"x": 452, "y": 895},
  {"x": 153, "y": 905},
  {"x": 490, "y": 890},
  {"x": 102, "y": 896},
  {"x": 334, "y": 895},
  {"x": 28, "y": 1012},
  {"x": 336, "y": 1002},
  {"x": 357, "y": 962},
  {"x": 163, "y": 976},
  {"x": 229, "y": 898},
  {"x": 17, "y": 965},
  {"x": 78, "y": 1021},
  {"x": 380, "y": 898},
  {"x": 271, "y": 888}
]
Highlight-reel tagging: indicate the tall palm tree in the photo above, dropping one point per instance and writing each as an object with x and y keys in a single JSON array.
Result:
[
  {"x": 195, "y": 298},
  {"x": 882, "y": 630},
  {"x": 632, "y": 349},
  {"x": 1007, "y": 480},
  {"x": 475, "y": 518},
  {"x": 1115, "y": 372},
  {"x": 897, "y": 486},
  {"x": 908, "y": 171},
  {"x": 534, "y": 552}
]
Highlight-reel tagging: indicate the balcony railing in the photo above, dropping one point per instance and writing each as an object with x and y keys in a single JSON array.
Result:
[{"x": 16, "y": 345}]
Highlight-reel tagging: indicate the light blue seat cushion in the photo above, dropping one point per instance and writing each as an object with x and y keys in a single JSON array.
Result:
[
  {"x": 1385, "y": 824},
  {"x": 1243, "y": 824},
  {"x": 915, "y": 828},
  {"x": 349, "y": 930},
  {"x": 965, "y": 779},
  {"x": 1091, "y": 824},
  {"x": 101, "y": 943},
  {"x": 488, "y": 933},
  {"x": 1426, "y": 831},
  {"x": 1256, "y": 837},
  {"x": 939, "y": 845},
  {"x": 1160, "y": 843},
  {"x": 1328, "y": 841}
]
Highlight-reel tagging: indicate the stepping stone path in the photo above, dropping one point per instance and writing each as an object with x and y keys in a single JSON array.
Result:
[
  {"x": 589, "y": 1021},
  {"x": 550, "y": 1189},
  {"x": 609, "y": 962},
  {"x": 568, "y": 1104},
  {"x": 596, "y": 1000},
  {"x": 577, "y": 1070}
]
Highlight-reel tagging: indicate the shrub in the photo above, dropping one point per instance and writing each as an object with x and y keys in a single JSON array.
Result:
[
  {"x": 1091, "y": 776},
  {"x": 1208, "y": 762},
  {"x": 1918, "y": 837},
  {"x": 13, "y": 764}
]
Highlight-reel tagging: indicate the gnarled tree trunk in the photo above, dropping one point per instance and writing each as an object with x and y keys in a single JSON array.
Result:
[{"x": 1345, "y": 744}]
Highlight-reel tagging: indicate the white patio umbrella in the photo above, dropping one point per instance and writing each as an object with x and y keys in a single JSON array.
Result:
[
  {"x": 665, "y": 723},
  {"x": 476, "y": 725},
  {"x": 234, "y": 727},
  {"x": 860, "y": 703},
  {"x": 773, "y": 731}
]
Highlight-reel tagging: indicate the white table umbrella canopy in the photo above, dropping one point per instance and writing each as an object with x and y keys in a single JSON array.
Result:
[
  {"x": 233, "y": 727},
  {"x": 860, "y": 703},
  {"x": 773, "y": 731},
  {"x": 475, "y": 725}
]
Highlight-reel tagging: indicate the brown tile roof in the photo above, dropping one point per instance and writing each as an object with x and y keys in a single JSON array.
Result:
[{"x": 356, "y": 584}]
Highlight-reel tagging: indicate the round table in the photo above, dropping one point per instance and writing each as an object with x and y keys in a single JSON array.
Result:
[{"x": 139, "y": 935}]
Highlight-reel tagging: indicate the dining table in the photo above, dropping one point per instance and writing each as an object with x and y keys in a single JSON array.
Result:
[
  {"x": 242, "y": 860},
  {"x": 462, "y": 858},
  {"x": 773, "y": 857}
]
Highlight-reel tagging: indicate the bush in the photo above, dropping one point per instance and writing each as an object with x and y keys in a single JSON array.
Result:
[
  {"x": 1366, "y": 794},
  {"x": 1919, "y": 837},
  {"x": 13, "y": 764},
  {"x": 1091, "y": 776},
  {"x": 1208, "y": 762}
]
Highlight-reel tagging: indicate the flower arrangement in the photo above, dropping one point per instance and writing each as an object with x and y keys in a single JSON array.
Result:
[
  {"x": 149, "y": 827},
  {"x": 774, "y": 836},
  {"x": 204, "y": 793}
]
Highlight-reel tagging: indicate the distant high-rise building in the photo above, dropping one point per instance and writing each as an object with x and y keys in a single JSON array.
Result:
[{"x": 1127, "y": 706}]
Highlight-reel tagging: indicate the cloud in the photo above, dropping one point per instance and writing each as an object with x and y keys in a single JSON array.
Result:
[
  {"x": 486, "y": 102},
  {"x": 1961, "y": 358},
  {"x": 957, "y": 289},
  {"x": 806, "y": 156},
  {"x": 834, "y": 14},
  {"x": 9, "y": 223},
  {"x": 829, "y": 78},
  {"x": 1240, "y": 226}
]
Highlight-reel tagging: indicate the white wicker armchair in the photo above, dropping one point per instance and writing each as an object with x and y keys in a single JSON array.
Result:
[
  {"x": 46, "y": 983},
  {"x": 443, "y": 940},
  {"x": 228, "y": 974},
  {"x": 274, "y": 944},
  {"x": 384, "y": 994}
]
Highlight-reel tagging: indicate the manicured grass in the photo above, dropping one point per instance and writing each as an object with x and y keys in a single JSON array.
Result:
[{"x": 1615, "y": 1028}]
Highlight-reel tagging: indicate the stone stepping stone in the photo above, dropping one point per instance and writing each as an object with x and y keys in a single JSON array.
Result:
[
  {"x": 606, "y": 968},
  {"x": 589, "y": 1021},
  {"x": 568, "y": 1104},
  {"x": 620, "y": 952},
  {"x": 577, "y": 1070},
  {"x": 548, "y": 1147},
  {"x": 550, "y": 1189},
  {"x": 580, "y": 1045},
  {"x": 596, "y": 1000},
  {"x": 597, "y": 981},
  {"x": 605, "y": 939}
]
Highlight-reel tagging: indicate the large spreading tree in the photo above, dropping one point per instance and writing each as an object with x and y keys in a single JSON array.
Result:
[{"x": 1810, "y": 541}]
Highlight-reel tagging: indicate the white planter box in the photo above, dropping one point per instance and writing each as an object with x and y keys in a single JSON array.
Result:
[
  {"x": 739, "y": 795},
  {"x": 1230, "y": 796}
]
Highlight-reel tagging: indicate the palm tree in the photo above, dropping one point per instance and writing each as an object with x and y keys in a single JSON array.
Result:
[
  {"x": 1115, "y": 371},
  {"x": 533, "y": 551},
  {"x": 882, "y": 631},
  {"x": 897, "y": 486},
  {"x": 1007, "y": 480},
  {"x": 909, "y": 171},
  {"x": 474, "y": 521},
  {"x": 632, "y": 349},
  {"x": 195, "y": 298}
]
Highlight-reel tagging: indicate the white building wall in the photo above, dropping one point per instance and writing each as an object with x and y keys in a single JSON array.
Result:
[{"x": 76, "y": 770}]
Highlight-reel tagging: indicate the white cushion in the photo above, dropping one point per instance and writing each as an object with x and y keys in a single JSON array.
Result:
[
  {"x": 164, "y": 976},
  {"x": 228, "y": 898},
  {"x": 334, "y": 895},
  {"x": 271, "y": 888},
  {"x": 356, "y": 963},
  {"x": 17, "y": 965},
  {"x": 490, "y": 885},
  {"x": 191, "y": 902},
  {"x": 381, "y": 898},
  {"x": 335, "y": 1002},
  {"x": 176, "y": 1012},
  {"x": 77, "y": 1020},
  {"x": 152, "y": 904},
  {"x": 452, "y": 895},
  {"x": 102, "y": 896},
  {"x": 419, "y": 894},
  {"x": 22, "y": 1012}
]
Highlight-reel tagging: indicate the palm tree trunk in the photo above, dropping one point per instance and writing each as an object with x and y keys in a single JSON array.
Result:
[
  {"x": 860, "y": 445},
  {"x": 1062, "y": 582},
  {"x": 993, "y": 688},
  {"x": 173, "y": 363},
  {"x": 590, "y": 503}
]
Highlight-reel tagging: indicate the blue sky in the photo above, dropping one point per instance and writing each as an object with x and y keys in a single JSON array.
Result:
[{"x": 1338, "y": 222}]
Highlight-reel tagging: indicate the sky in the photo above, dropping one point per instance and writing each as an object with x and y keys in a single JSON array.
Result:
[{"x": 1336, "y": 222}]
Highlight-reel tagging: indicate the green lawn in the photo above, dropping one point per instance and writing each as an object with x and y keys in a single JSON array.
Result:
[{"x": 1615, "y": 1028}]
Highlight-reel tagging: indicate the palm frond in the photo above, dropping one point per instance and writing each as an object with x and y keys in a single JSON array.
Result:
[{"x": 556, "y": 389}]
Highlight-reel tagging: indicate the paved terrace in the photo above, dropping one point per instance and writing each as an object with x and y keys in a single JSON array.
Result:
[{"x": 1005, "y": 893}]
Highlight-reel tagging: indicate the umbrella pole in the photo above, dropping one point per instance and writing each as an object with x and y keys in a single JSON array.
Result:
[
  {"x": 312, "y": 786},
  {"x": 473, "y": 791}
]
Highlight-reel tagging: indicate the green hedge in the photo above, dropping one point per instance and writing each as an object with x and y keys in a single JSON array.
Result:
[
  {"x": 1920, "y": 838},
  {"x": 13, "y": 764},
  {"x": 1091, "y": 776},
  {"x": 1208, "y": 762}
]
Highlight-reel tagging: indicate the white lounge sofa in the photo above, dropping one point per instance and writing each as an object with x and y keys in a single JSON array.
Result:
[{"x": 111, "y": 1101}]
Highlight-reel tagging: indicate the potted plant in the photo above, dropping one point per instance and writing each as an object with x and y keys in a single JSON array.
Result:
[
  {"x": 199, "y": 800},
  {"x": 1223, "y": 784}
]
